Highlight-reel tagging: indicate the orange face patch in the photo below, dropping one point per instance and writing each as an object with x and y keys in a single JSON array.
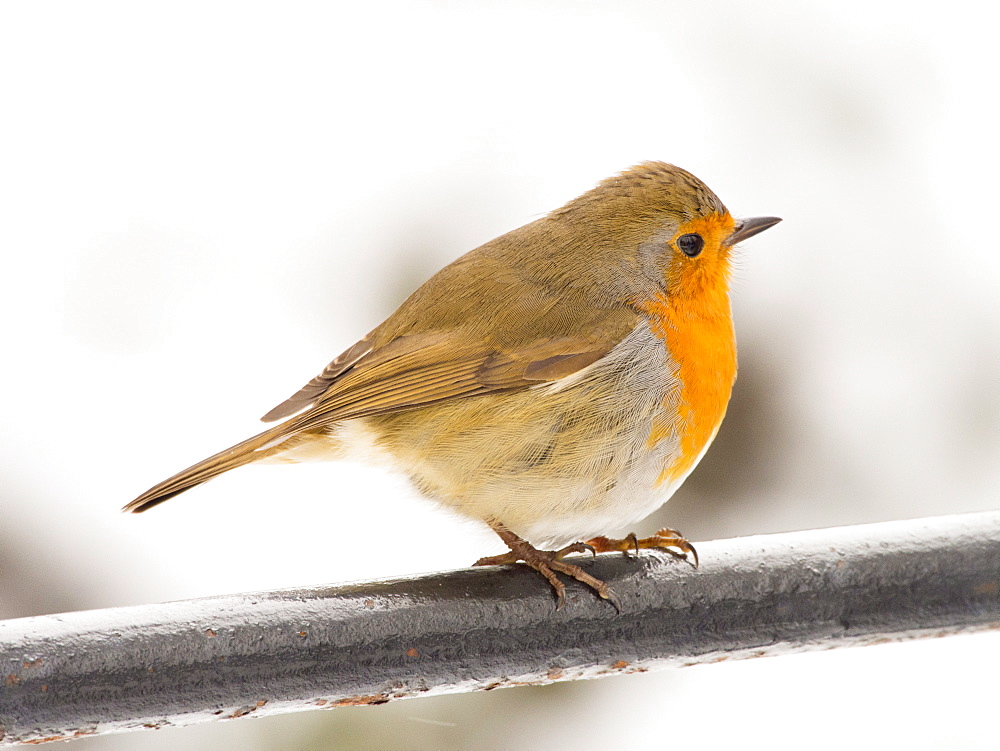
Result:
[{"x": 708, "y": 272}]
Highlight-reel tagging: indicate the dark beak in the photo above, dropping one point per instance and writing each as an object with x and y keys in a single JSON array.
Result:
[{"x": 750, "y": 227}]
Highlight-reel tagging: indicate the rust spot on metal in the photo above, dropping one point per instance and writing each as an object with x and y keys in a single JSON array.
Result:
[
  {"x": 303, "y": 634},
  {"x": 554, "y": 673},
  {"x": 45, "y": 687},
  {"x": 247, "y": 709},
  {"x": 32, "y": 663},
  {"x": 320, "y": 702},
  {"x": 12, "y": 679},
  {"x": 620, "y": 665},
  {"x": 210, "y": 632},
  {"x": 46, "y": 739},
  {"x": 369, "y": 603},
  {"x": 491, "y": 686},
  {"x": 360, "y": 701},
  {"x": 411, "y": 652},
  {"x": 986, "y": 588}
]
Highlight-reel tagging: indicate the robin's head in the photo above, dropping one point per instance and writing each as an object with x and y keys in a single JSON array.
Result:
[{"x": 681, "y": 232}]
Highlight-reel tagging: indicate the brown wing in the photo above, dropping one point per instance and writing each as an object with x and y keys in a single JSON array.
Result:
[{"x": 421, "y": 369}]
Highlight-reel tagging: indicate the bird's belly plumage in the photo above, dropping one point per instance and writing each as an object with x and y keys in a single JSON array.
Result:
[{"x": 567, "y": 460}]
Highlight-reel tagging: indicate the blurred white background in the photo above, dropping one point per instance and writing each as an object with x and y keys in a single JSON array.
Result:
[{"x": 202, "y": 203}]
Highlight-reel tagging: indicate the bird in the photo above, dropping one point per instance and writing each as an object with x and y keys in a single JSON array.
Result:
[{"x": 556, "y": 382}]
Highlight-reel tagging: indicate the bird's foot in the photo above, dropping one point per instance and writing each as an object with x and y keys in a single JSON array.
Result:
[
  {"x": 548, "y": 563},
  {"x": 668, "y": 540}
]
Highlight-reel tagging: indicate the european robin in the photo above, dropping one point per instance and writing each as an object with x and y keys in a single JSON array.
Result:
[{"x": 559, "y": 380}]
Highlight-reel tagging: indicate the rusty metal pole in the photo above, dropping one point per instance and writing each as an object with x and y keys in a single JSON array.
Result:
[{"x": 220, "y": 657}]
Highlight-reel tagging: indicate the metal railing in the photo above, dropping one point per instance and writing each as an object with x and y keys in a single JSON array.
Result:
[{"x": 184, "y": 662}]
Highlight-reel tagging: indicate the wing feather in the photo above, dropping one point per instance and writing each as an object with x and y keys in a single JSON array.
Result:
[{"x": 421, "y": 369}]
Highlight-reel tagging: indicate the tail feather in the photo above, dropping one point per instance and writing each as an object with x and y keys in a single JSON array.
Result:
[{"x": 253, "y": 449}]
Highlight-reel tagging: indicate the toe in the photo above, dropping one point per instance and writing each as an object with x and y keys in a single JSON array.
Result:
[{"x": 497, "y": 560}]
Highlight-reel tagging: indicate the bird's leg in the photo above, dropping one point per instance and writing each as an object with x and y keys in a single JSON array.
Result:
[
  {"x": 548, "y": 563},
  {"x": 666, "y": 540}
]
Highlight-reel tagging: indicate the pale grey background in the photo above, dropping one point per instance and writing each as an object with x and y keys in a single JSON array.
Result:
[{"x": 202, "y": 203}]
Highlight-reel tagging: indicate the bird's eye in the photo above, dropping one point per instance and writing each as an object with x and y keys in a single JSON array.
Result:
[{"x": 690, "y": 244}]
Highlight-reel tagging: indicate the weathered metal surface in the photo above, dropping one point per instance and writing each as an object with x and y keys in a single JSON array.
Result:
[{"x": 221, "y": 657}]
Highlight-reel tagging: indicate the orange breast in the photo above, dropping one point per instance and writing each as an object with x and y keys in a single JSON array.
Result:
[{"x": 698, "y": 332}]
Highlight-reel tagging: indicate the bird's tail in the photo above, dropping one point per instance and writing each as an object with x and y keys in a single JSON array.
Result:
[{"x": 259, "y": 447}]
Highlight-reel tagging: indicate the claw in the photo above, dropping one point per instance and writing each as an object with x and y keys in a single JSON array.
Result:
[{"x": 634, "y": 540}]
